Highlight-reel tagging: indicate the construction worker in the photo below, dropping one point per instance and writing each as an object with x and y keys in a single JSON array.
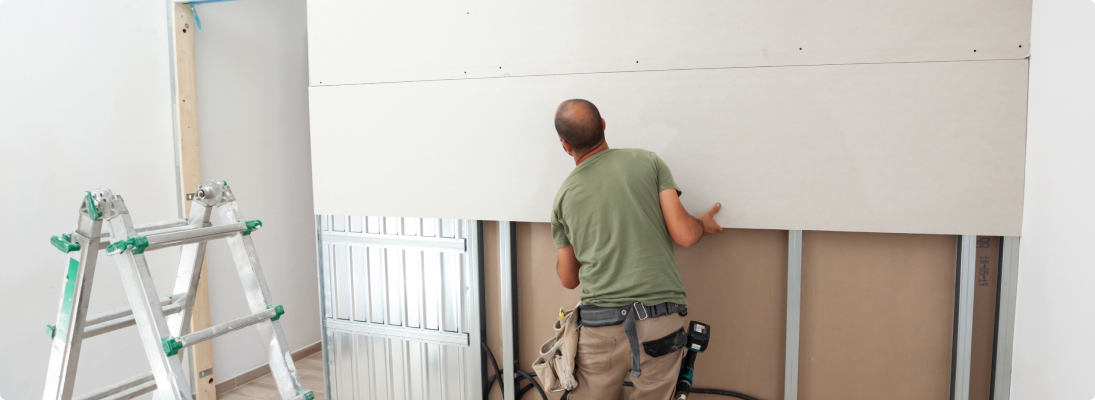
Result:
[{"x": 614, "y": 222}]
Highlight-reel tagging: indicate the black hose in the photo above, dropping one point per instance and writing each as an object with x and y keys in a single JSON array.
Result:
[
  {"x": 534, "y": 384},
  {"x": 710, "y": 391},
  {"x": 723, "y": 393},
  {"x": 498, "y": 377}
]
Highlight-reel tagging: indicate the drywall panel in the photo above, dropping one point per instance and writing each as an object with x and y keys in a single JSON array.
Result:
[
  {"x": 539, "y": 292},
  {"x": 877, "y": 316},
  {"x": 1053, "y": 347},
  {"x": 913, "y": 148},
  {"x": 85, "y": 103},
  {"x": 735, "y": 282},
  {"x": 371, "y": 41},
  {"x": 251, "y": 63}
]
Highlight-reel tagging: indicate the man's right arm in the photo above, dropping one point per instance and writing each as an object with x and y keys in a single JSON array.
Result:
[
  {"x": 683, "y": 228},
  {"x": 567, "y": 267}
]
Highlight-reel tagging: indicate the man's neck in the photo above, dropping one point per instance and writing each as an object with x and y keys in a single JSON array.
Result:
[{"x": 601, "y": 147}]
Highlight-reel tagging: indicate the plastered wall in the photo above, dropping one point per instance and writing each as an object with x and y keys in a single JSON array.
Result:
[
  {"x": 85, "y": 103},
  {"x": 251, "y": 60},
  {"x": 1054, "y": 319}
]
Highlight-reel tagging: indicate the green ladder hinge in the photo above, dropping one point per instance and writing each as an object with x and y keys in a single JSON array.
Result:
[
  {"x": 92, "y": 211},
  {"x": 51, "y": 330},
  {"x": 64, "y": 243},
  {"x": 135, "y": 245},
  {"x": 251, "y": 226},
  {"x": 171, "y": 346},
  {"x": 278, "y": 311},
  {"x": 307, "y": 394}
]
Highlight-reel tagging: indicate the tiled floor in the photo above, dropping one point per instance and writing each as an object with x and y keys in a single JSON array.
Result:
[{"x": 310, "y": 370}]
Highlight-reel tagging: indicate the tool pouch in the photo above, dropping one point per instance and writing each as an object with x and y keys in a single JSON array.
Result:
[{"x": 555, "y": 366}]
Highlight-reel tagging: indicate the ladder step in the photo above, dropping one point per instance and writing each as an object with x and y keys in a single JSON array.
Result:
[
  {"x": 121, "y": 319},
  {"x": 172, "y": 345},
  {"x": 122, "y": 312},
  {"x": 127, "y": 389},
  {"x": 155, "y": 226},
  {"x": 171, "y": 237}
]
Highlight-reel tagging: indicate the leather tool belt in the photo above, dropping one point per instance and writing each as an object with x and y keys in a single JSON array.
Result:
[{"x": 594, "y": 316}]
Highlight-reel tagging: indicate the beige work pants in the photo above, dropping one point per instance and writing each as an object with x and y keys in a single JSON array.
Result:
[{"x": 604, "y": 361}]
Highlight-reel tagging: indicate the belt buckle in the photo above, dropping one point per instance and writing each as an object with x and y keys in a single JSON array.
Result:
[{"x": 639, "y": 306}]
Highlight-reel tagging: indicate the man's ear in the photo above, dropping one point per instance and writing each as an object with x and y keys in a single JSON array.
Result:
[
  {"x": 566, "y": 147},
  {"x": 604, "y": 125}
]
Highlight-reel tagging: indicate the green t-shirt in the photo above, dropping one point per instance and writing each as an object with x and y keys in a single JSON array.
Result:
[{"x": 608, "y": 209}]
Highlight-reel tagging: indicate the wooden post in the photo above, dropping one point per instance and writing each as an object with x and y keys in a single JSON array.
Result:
[{"x": 183, "y": 27}]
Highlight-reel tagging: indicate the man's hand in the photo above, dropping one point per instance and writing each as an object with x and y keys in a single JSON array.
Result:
[
  {"x": 683, "y": 228},
  {"x": 707, "y": 219}
]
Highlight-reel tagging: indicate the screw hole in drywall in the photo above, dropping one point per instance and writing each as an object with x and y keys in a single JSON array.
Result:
[
  {"x": 1020, "y": 46},
  {"x": 210, "y": 380},
  {"x": 636, "y": 62},
  {"x": 184, "y": 30},
  {"x": 800, "y": 48},
  {"x": 975, "y": 51}
]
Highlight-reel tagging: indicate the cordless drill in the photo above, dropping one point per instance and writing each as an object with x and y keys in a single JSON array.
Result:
[{"x": 698, "y": 335}]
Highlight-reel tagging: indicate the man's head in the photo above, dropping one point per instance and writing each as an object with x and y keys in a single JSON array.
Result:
[{"x": 579, "y": 125}]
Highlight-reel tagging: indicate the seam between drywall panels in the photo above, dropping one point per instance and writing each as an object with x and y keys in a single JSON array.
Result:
[{"x": 675, "y": 69}]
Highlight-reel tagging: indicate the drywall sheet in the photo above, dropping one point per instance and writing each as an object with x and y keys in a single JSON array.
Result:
[
  {"x": 877, "y": 316},
  {"x": 910, "y": 148},
  {"x": 735, "y": 282},
  {"x": 372, "y": 41}
]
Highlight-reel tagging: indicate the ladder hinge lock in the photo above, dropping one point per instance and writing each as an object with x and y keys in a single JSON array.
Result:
[
  {"x": 171, "y": 346},
  {"x": 51, "y": 330},
  {"x": 64, "y": 243},
  {"x": 92, "y": 211},
  {"x": 307, "y": 394},
  {"x": 278, "y": 311},
  {"x": 135, "y": 245},
  {"x": 251, "y": 226}
]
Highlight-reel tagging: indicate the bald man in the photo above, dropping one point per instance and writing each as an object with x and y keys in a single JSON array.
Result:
[{"x": 614, "y": 222}]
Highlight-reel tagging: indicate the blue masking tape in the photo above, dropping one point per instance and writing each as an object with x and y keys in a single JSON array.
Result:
[{"x": 197, "y": 21}]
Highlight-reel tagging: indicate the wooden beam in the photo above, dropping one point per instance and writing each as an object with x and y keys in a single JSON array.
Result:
[{"x": 189, "y": 178}]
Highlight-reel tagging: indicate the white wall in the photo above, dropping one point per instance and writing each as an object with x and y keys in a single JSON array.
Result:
[
  {"x": 85, "y": 102},
  {"x": 1055, "y": 310},
  {"x": 252, "y": 71}
]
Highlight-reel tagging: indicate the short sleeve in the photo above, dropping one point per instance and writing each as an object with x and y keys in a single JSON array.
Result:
[
  {"x": 664, "y": 175},
  {"x": 558, "y": 228}
]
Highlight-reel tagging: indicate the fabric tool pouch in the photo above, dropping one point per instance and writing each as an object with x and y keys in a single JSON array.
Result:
[{"x": 555, "y": 365}]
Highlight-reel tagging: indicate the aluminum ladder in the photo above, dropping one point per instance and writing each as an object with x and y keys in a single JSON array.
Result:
[{"x": 161, "y": 322}]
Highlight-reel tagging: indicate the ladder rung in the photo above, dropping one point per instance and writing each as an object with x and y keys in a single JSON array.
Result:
[
  {"x": 173, "y": 345},
  {"x": 126, "y": 389},
  {"x": 122, "y": 312},
  {"x": 155, "y": 226},
  {"x": 124, "y": 321},
  {"x": 107, "y": 240},
  {"x": 175, "y": 237}
]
